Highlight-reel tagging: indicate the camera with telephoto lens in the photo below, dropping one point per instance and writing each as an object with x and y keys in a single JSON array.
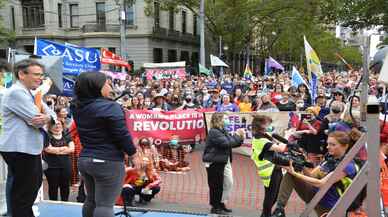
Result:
[{"x": 294, "y": 154}]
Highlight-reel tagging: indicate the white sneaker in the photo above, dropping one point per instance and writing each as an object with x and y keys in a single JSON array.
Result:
[{"x": 35, "y": 210}]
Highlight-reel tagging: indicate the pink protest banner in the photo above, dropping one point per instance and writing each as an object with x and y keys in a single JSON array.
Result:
[
  {"x": 167, "y": 73},
  {"x": 115, "y": 75},
  {"x": 159, "y": 126}
]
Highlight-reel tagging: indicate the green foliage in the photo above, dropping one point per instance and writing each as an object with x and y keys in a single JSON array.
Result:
[
  {"x": 272, "y": 27},
  {"x": 6, "y": 36},
  {"x": 357, "y": 14},
  {"x": 352, "y": 55}
]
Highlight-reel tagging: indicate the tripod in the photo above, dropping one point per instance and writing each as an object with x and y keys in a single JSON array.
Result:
[{"x": 124, "y": 212}]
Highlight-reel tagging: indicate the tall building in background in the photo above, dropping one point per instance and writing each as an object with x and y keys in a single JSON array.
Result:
[{"x": 167, "y": 36}]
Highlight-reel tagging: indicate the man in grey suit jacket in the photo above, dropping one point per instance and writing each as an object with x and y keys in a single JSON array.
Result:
[{"x": 21, "y": 142}]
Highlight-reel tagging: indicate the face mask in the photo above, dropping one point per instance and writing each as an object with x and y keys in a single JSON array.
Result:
[
  {"x": 269, "y": 129},
  {"x": 147, "y": 103},
  {"x": 204, "y": 91},
  {"x": 226, "y": 123},
  {"x": 174, "y": 143}
]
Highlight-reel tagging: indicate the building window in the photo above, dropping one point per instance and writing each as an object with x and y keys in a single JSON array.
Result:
[
  {"x": 157, "y": 14},
  {"x": 195, "y": 25},
  {"x": 13, "y": 23},
  {"x": 158, "y": 55},
  {"x": 171, "y": 19},
  {"x": 194, "y": 59},
  {"x": 185, "y": 56},
  {"x": 74, "y": 16},
  {"x": 172, "y": 55},
  {"x": 60, "y": 24},
  {"x": 184, "y": 21},
  {"x": 100, "y": 16},
  {"x": 33, "y": 14},
  {"x": 129, "y": 15}
]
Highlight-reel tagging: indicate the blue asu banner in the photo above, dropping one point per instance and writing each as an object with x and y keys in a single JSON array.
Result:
[{"x": 75, "y": 59}]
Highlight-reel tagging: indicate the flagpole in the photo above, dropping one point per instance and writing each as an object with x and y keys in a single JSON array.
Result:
[
  {"x": 202, "y": 32},
  {"x": 35, "y": 46}
]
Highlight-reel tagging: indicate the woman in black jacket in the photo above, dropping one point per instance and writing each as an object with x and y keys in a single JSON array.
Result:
[
  {"x": 105, "y": 138},
  {"x": 217, "y": 155}
]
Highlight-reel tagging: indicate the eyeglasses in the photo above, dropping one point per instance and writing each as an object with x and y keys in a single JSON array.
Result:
[{"x": 40, "y": 75}]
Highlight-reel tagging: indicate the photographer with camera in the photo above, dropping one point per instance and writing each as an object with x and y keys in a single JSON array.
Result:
[
  {"x": 308, "y": 182},
  {"x": 263, "y": 149}
]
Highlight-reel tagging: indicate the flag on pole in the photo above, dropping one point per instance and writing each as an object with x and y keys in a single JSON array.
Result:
[
  {"x": 344, "y": 61},
  {"x": 204, "y": 70},
  {"x": 215, "y": 61},
  {"x": 296, "y": 78},
  {"x": 272, "y": 63},
  {"x": 314, "y": 69},
  {"x": 267, "y": 69},
  {"x": 248, "y": 72}
]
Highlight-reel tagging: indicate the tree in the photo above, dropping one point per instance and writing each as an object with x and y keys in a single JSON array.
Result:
[
  {"x": 265, "y": 27},
  {"x": 357, "y": 14},
  {"x": 352, "y": 55},
  {"x": 6, "y": 36}
]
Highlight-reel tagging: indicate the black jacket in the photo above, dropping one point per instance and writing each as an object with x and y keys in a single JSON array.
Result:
[
  {"x": 102, "y": 129},
  {"x": 219, "y": 146}
]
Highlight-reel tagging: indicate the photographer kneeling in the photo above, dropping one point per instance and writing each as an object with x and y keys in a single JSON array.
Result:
[
  {"x": 306, "y": 184},
  {"x": 262, "y": 150}
]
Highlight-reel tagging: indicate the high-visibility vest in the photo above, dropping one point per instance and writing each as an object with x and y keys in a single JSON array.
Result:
[
  {"x": 346, "y": 182},
  {"x": 384, "y": 180},
  {"x": 264, "y": 167}
]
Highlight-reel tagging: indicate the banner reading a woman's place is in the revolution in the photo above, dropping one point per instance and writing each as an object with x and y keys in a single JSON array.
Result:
[{"x": 159, "y": 126}]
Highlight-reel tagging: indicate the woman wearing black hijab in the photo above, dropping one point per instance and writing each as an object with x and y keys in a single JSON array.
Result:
[{"x": 105, "y": 138}]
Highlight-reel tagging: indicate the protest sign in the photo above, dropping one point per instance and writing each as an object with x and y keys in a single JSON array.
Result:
[
  {"x": 116, "y": 75},
  {"x": 160, "y": 126},
  {"x": 108, "y": 57},
  {"x": 244, "y": 120},
  {"x": 165, "y": 71},
  {"x": 75, "y": 59}
]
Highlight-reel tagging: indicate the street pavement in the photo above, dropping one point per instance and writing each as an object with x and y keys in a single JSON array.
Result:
[{"x": 188, "y": 192}]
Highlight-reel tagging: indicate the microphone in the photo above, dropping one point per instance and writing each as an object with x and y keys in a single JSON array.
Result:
[
  {"x": 280, "y": 138},
  {"x": 125, "y": 92}
]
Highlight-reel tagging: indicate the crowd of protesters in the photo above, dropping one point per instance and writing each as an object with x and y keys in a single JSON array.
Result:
[{"x": 229, "y": 93}]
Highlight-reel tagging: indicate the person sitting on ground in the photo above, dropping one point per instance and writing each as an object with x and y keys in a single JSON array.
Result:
[
  {"x": 144, "y": 181},
  {"x": 173, "y": 156}
]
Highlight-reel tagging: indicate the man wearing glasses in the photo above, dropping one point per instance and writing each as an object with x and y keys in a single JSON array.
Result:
[{"x": 21, "y": 141}]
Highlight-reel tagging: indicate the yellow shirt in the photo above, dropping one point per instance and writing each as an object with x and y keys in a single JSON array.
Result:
[{"x": 245, "y": 107}]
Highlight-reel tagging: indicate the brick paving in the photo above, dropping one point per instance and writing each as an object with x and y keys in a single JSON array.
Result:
[{"x": 189, "y": 191}]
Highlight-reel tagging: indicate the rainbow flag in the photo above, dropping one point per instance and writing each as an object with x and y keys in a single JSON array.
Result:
[{"x": 248, "y": 72}]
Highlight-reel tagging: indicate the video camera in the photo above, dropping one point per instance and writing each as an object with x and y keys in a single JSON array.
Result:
[{"x": 294, "y": 154}]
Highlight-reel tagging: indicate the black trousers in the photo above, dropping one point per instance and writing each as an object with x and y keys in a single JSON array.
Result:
[
  {"x": 27, "y": 179},
  {"x": 271, "y": 193},
  {"x": 128, "y": 193},
  {"x": 58, "y": 179},
  {"x": 215, "y": 180}
]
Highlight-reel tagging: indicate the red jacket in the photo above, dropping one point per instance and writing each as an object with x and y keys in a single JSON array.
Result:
[{"x": 132, "y": 175}]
